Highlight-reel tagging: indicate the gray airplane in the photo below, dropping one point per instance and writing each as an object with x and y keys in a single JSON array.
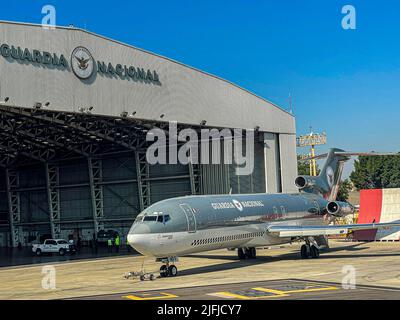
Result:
[{"x": 185, "y": 225}]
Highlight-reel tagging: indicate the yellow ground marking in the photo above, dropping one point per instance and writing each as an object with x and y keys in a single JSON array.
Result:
[
  {"x": 225, "y": 294},
  {"x": 163, "y": 295},
  {"x": 312, "y": 290},
  {"x": 295, "y": 291}
]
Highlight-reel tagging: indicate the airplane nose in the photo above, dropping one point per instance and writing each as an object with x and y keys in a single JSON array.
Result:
[
  {"x": 138, "y": 238},
  {"x": 139, "y": 228}
]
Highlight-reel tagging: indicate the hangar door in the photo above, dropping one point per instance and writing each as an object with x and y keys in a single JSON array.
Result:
[{"x": 272, "y": 163}]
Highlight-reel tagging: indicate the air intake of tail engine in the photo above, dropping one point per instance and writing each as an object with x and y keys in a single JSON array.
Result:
[
  {"x": 340, "y": 209},
  {"x": 304, "y": 182}
]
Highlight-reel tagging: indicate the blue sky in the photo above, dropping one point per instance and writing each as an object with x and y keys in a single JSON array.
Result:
[{"x": 344, "y": 82}]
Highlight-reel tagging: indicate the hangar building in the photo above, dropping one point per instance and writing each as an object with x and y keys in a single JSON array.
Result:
[{"x": 75, "y": 108}]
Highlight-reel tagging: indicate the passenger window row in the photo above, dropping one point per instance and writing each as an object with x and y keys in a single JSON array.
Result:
[{"x": 227, "y": 238}]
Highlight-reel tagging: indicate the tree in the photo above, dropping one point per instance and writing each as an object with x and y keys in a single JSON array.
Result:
[
  {"x": 303, "y": 167},
  {"x": 379, "y": 172},
  {"x": 344, "y": 190}
]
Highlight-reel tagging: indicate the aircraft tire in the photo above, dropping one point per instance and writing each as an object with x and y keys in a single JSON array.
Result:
[
  {"x": 251, "y": 253},
  {"x": 172, "y": 271},
  {"x": 314, "y": 252},
  {"x": 241, "y": 254},
  {"x": 163, "y": 271},
  {"x": 304, "y": 252}
]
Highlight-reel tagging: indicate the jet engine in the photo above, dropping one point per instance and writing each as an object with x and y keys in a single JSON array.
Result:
[
  {"x": 303, "y": 182},
  {"x": 339, "y": 209}
]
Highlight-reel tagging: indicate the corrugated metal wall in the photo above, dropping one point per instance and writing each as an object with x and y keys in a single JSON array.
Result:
[
  {"x": 288, "y": 157},
  {"x": 3, "y": 198},
  {"x": 33, "y": 197},
  {"x": 120, "y": 190},
  {"x": 253, "y": 183},
  {"x": 4, "y": 228},
  {"x": 168, "y": 181},
  {"x": 215, "y": 178},
  {"x": 75, "y": 201},
  {"x": 272, "y": 163}
]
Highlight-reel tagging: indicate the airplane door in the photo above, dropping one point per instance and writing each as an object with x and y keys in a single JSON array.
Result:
[{"x": 191, "y": 219}]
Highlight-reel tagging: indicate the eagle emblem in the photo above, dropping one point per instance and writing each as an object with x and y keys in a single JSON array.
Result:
[{"x": 82, "y": 62}]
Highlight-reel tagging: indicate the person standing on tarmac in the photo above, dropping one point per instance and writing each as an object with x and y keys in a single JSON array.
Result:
[
  {"x": 117, "y": 243},
  {"x": 109, "y": 244}
]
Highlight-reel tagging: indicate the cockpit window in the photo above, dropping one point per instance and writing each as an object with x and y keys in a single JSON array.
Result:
[
  {"x": 163, "y": 218},
  {"x": 154, "y": 216},
  {"x": 150, "y": 218}
]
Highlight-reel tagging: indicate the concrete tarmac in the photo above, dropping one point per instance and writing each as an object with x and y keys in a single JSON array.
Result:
[
  {"x": 277, "y": 273},
  {"x": 284, "y": 289}
]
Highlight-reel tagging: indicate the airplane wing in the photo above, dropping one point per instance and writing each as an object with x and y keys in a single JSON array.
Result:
[{"x": 283, "y": 231}]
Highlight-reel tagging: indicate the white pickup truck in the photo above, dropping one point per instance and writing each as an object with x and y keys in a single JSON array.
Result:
[{"x": 60, "y": 246}]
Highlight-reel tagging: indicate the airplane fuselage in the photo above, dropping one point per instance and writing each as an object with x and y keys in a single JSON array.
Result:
[{"x": 191, "y": 224}]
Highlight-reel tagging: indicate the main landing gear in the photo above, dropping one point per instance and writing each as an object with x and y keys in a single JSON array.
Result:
[
  {"x": 310, "y": 249},
  {"x": 168, "y": 269},
  {"x": 247, "y": 253}
]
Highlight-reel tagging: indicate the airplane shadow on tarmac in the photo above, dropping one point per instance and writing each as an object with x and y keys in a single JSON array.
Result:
[{"x": 235, "y": 263}]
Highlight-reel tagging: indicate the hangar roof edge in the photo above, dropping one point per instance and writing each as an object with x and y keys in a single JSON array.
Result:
[{"x": 152, "y": 53}]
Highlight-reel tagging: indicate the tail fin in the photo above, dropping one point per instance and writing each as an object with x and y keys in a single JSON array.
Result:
[
  {"x": 328, "y": 181},
  {"x": 331, "y": 174}
]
